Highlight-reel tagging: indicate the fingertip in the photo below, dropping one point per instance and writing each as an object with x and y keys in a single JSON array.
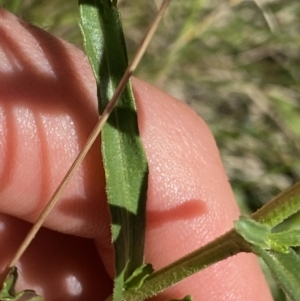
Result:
[
  {"x": 55, "y": 265},
  {"x": 48, "y": 108},
  {"x": 190, "y": 201}
]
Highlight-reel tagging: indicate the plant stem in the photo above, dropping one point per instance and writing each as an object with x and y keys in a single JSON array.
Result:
[
  {"x": 273, "y": 213},
  {"x": 225, "y": 246},
  {"x": 279, "y": 208}
]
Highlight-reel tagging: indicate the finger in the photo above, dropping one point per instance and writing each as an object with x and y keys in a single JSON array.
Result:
[
  {"x": 57, "y": 266},
  {"x": 46, "y": 113},
  {"x": 47, "y": 110},
  {"x": 190, "y": 201},
  {"x": 197, "y": 201}
]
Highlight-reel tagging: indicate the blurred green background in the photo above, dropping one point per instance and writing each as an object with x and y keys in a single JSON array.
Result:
[{"x": 237, "y": 63}]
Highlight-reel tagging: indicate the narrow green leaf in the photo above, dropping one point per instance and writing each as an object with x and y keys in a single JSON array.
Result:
[
  {"x": 186, "y": 298},
  {"x": 285, "y": 268},
  {"x": 7, "y": 292},
  {"x": 260, "y": 235},
  {"x": 253, "y": 232},
  {"x": 28, "y": 295},
  {"x": 289, "y": 238},
  {"x": 138, "y": 277},
  {"x": 123, "y": 156},
  {"x": 274, "y": 249}
]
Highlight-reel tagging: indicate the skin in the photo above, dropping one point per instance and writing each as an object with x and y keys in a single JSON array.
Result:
[{"x": 47, "y": 109}]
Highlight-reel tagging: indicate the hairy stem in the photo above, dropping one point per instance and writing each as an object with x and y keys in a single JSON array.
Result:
[
  {"x": 279, "y": 208},
  {"x": 273, "y": 213},
  {"x": 225, "y": 246}
]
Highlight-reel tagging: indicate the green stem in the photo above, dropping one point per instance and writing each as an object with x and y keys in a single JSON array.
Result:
[
  {"x": 279, "y": 208},
  {"x": 273, "y": 213},
  {"x": 225, "y": 246}
]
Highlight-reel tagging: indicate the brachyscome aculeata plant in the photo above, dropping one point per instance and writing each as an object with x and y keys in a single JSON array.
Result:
[{"x": 134, "y": 279}]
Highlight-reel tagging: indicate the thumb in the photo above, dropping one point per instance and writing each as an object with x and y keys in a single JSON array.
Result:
[{"x": 48, "y": 108}]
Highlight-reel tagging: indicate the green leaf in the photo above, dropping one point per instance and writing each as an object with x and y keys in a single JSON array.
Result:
[
  {"x": 260, "y": 235},
  {"x": 7, "y": 292},
  {"x": 253, "y": 232},
  {"x": 186, "y": 298},
  {"x": 124, "y": 159},
  {"x": 285, "y": 239},
  {"x": 274, "y": 249},
  {"x": 136, "y": 280},
  {"x": 285, "y": 268},
  {"x": 28, "y": 295}
]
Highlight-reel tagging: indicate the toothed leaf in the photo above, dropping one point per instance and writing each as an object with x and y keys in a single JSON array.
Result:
[
  {"x": 253, "y": 232},
  {"x": 7, "y": 292},
  {"x": 285, "y": 268},
  {"x": 138, "y": 277}
]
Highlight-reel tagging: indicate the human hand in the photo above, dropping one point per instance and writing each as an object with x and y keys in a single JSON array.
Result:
[{"x": 47, "y": 109}]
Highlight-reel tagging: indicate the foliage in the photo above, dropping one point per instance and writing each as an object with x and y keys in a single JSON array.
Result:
[{"x": 274, "y": 249}]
